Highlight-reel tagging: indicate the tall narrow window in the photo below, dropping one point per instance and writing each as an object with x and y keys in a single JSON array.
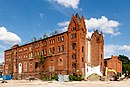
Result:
[
  {"x": 62, "y": 47},
  {"x": 74, "y": 56},
  {"x": 82, "y": 49},
  {"x": 36, "y": 65},
  {"x": 58, "y": 48},
  {"x": 73, "y": 46},
  {"x": 58, "y": 39},
  {"x": 50, "y": 50},
  {"x": 53, "y": 50},
  {"x": 42, "y": 52},
  {"x": 62, "y": 38},
  {"x": 25, "y": 67},
  {"x": 82, "y": 59},
  {"x": 73, "y": 65}
]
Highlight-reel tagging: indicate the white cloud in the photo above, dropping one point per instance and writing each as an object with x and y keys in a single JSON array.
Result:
[
  {"x": 125, "y": 48},
  {"x": 104, "y": 25},
  {"x": 62, "y": 24},
  {"x": 116, "y": 49},
  {"x": 68, "y": 3},
  {"x": 8, "y": 37}
]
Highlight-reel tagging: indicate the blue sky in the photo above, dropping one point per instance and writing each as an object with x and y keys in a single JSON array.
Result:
[{"x": 21, "y": 20}]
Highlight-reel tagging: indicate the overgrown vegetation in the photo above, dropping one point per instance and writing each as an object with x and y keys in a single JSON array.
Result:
[
  {"x": 125, "y": 64},
  {"x": 55, "y": 77},
  {"x": 75, "y": 77}
]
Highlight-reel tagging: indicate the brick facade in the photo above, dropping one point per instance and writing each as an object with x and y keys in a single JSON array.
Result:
[
  {"x": 97, "y": 50},
  {"x": 64, "y": 53},
  {"x": 114, "y": 63}
]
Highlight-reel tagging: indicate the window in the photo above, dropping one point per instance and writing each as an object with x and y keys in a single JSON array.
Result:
[
  {"x": 58, "y": 48},
  {"x": 82, "y": 59},
  {"x": 31, "y": 55},
  {"x": 74, "y": 56},
  {"x": 36, "y": 65},
  {"x": 62, "y": 38},
  {"x": 44, "y": 43},
  {"x": 73, "y": 35},
  {"x": 25, "y": 67},
  {"x": 44, "y": 52},
  {"x": 24, "y": 56},
  {"x": 60, "y": 60},
  {"x": 53, "y": 50},
  {"x": 62, "y": 46},
  {"x": 73, "y": 65},
  {"x": 58, "y": 39},
  {"x": 82, "y": 49},
  {"x": 30, "y": 48},
  {"x": 52, "y": 41},
  {"x": 37, "y": 45},
  {"x": 30, "y": 66},
  {"x": 20, "y": 50},
  {"x": 74, "y": 28},
  {"x": 25, "y": 49},
  {"x": 73, "y": 46},
  {"x": 50, "y": 50}
]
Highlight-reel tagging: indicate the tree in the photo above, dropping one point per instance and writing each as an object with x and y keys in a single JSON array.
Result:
[
  {"x": 54, "y": 33},
  {"x": 45, "y": 36},
  {"x": 123, "y": 58},
  {"x": 34, "y": 39},
  {"x": 41, "y": 62},
  {"x": 125, "y": 63}
]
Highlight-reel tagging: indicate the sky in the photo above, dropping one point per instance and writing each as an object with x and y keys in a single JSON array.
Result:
[{"x": 21, "y": 20}]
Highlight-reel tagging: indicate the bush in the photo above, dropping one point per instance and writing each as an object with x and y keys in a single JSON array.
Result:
[
  {"x": 55, "y": 77},
  {"x": 75, "y": 77}
]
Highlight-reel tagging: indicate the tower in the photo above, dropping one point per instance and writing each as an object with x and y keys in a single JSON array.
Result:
[
  {"x": 97, "y": 50},
  {"x": 76, "y": 45}
]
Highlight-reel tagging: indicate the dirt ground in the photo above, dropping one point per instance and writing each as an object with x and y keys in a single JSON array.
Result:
[{"x": 38, "y": 83}]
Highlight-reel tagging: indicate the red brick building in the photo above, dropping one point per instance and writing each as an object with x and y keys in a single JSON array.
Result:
[
  {"x": 64, "y": 53},
  {"x": 113, "y": 63},
  {"x": 97, "y": 50}
]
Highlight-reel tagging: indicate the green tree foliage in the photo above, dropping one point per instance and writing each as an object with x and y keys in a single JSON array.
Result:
[
  {"x": 54, "y": 33},
  {"x": 123, "y": 58},
  {"x": 125, "y": 63}
]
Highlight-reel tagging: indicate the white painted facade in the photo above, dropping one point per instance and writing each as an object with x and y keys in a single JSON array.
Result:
[
  {"x": 90, "y": 70},
  {"x": 20, "y": 68}
]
